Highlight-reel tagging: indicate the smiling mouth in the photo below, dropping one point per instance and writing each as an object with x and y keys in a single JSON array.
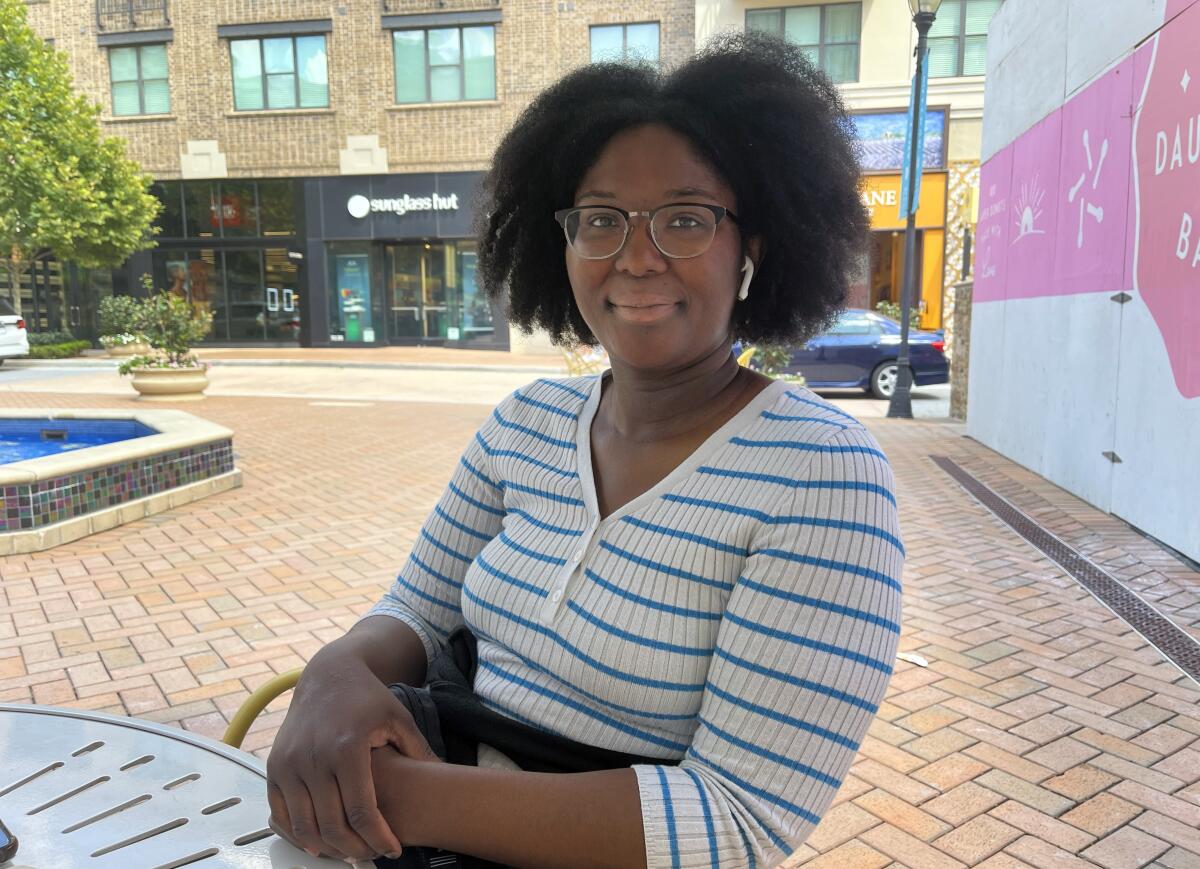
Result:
[{"x": 644, "y": 313}]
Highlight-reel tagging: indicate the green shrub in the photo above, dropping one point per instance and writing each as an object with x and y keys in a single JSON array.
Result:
[
  {"x": 118, "y": 314},
  {"x": 892, "y": 311},
  {"x": 63, "y": 350},
  {"x": 44, "y": 339}
]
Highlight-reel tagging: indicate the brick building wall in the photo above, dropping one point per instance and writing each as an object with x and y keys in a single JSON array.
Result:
[{"x": 536, "y": 42}]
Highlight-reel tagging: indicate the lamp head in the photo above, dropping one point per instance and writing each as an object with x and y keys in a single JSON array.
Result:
[{"x": 929, "y": 7}]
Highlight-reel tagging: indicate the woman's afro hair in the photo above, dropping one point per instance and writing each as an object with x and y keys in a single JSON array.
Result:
[{"x": 757, "y": 111}]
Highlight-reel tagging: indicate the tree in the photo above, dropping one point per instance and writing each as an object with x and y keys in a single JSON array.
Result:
[{"x": 66, "y": 190}]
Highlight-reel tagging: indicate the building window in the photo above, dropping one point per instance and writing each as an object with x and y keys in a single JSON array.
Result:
[
  {"x": 286, "y": 72},
  {"x": 139, "y": 80},
  {"x": 958, "y": 38},
  {"x": 445, "y": 64},
  {"x": 625, "y": 42},
  {"x": 830, "y": 35}
]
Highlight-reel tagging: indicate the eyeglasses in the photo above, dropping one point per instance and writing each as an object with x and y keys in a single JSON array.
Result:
[{"x": 680, "y": 230}]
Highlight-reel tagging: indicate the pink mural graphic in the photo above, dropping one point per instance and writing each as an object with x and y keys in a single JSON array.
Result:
[
  {"x": 1167, "y": 163},
  {"x": 1033, "y": 210},
  {"x": 991, "y": 230},
  {"x": 1094, "y": 193}
]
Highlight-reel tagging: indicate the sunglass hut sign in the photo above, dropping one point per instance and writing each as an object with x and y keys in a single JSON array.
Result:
[{"x": 360, "y": 206}]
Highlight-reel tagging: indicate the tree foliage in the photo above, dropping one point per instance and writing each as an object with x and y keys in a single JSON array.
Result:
[{"x": 65, "y": 189}]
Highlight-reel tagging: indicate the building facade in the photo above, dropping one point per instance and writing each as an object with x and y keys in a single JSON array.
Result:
[
  {"x": 316, "y": 162},
  {"x": 1085, "y": 356},
  {"x": 868, "y": 49}
]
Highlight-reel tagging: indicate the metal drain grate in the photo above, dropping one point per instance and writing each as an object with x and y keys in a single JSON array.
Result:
[{"x": 1172, "y": 642}]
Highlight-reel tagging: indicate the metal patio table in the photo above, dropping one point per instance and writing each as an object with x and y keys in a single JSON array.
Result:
[{"x": 85, "y": 789}]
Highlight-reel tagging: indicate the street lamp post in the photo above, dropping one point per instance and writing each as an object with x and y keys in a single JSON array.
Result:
[{"x": 924, "y": 12}]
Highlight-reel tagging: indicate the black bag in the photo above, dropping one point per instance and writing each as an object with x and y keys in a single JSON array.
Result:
[{"x": 454, "y": 721}]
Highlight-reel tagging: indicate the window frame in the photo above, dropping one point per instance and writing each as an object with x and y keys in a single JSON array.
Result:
[
  {"x": 624, "y": 25},
  {"x": 263, "y": 75},
  {"x": 461, "y": 65},
  {"x": 822, "y": 44},
  {"x": 960, "y": 38},
  {"x": 140, "y": 80}
]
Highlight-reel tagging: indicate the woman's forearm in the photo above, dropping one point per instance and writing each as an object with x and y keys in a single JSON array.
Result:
[
  {"x": 389, "y": 648},
  {"x": 522, "y": 819}
]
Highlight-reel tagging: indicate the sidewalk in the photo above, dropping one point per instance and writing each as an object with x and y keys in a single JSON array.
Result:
[{"x": 1037, "y": 729}]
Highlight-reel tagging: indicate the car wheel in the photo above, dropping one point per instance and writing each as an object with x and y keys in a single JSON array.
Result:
[{"x": 883, "y": 379}]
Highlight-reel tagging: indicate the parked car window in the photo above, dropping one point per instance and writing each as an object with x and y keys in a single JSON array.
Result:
[
  {"x": 855, "y": 326},
  {"x": 6, "y": 310}
]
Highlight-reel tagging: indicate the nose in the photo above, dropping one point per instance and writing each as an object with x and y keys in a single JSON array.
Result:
[{"x": 640, "y": 256}]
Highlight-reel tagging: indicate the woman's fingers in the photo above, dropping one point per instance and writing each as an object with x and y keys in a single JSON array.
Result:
[
  {"x": 361, "y": 807},
  {"x": 302, "y": 819}
]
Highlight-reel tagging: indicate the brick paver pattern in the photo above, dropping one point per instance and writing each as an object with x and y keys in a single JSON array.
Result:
[{"x": 1043, "y": 731}]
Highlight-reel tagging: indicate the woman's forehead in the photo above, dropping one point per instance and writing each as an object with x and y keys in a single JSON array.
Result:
[{"x": 651, "y": 162}]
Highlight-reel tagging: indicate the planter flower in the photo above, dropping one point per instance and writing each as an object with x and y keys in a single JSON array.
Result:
[
  {"x": 170, "y": 372},
  {"x": 118, "y": 316}
]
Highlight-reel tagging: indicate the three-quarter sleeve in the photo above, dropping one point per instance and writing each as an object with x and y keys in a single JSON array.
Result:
[
  {"x": 803, "y": 657},
  {"x": 427, "y": 593}
]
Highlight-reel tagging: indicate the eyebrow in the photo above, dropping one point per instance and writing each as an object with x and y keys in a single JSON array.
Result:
[{"x": 680, "y": 191}]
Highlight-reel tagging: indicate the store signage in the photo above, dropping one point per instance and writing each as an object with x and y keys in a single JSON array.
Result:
[{"x": 360, "y": 206}]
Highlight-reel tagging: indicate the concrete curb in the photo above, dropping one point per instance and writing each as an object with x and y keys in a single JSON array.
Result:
[{"x": 105, "y": 364}]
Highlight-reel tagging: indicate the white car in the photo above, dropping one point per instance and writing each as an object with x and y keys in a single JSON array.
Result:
[{"x": 13, "y": 339}]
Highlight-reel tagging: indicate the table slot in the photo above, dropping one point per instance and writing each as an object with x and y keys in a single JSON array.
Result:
[
  {"x": 107, "y": 813},
  {"x": 224, "y": 804},
  {"x": 136, "y": 762},
  {"x": 87, "y": 749},
  {"x": 189, "y": 859},
  {"x": 256, "y": 836},
  {"x": 179, "y": 782},
  {"x": 141, "y": 837},
  {"x": 30, "y": 778},
  {"x": 74, "y": 792}
]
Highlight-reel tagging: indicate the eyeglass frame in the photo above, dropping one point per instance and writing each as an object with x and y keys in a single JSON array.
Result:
[{"x": 720, "y": 212}]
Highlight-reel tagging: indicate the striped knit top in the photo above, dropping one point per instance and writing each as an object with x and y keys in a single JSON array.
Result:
[{"x": 739, "y": 619}]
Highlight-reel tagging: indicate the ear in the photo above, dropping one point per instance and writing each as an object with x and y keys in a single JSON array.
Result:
[{"x": 754, "y": 250}]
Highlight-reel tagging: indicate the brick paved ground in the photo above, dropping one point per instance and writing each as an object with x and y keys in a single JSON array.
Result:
[{"x": 1044, "y": 731}]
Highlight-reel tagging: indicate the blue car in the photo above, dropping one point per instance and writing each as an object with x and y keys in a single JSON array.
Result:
[{"x": 860, "y": 352}]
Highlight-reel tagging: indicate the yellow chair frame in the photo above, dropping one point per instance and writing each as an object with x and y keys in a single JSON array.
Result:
[{"x": 256, "y": 703}]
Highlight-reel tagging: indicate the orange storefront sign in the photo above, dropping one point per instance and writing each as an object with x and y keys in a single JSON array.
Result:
[{"x": 881, "y": 195}]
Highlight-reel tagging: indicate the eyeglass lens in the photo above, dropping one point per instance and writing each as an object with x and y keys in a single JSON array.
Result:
[{"x": 678, "y": 231}]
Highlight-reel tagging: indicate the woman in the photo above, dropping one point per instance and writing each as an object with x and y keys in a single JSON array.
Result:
[{"x": 681, "y": 559}]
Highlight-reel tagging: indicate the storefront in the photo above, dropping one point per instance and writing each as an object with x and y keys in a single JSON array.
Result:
[
  {"x": 881, "y": 137},
  {"x": 393, "y": 257}
]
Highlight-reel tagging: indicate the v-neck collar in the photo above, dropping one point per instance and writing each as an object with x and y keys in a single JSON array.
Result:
[{"x": 718, "y": 439}]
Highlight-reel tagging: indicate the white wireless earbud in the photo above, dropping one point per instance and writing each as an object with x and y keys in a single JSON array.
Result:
[{"x": 748, "y": 276}]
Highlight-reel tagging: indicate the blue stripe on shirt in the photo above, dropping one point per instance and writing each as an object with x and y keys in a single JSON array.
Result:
[
  {"x": 532, "y": 432},
  {"x": 595, "y": 698},
  {"x": 508, "y": 578},
  {"x": 578, "y": 653},
  {"x": 773, "y": 756},
  {"x": 685, "y": 535},
  {"x": 782, "y": 417},
  {"x": 546, "y": 526},
  {"x": 454, "y": 523},
  {"x": 834, "y": 485},
  {"x": 773, "y": 799},
  {"x": 582, "y": 708},
  {"x": 664, "y": 568},
  {"x": 530, "y": 553},
  {"x": 453, "y": 583},
  {"x": 437, "y": 544},
  {"x": 478, "y": 474},
  {"x": 623, "y": 634},
  {"x": 709, "y": 828},
  {"x": 556, "y": 385},
  {"x": 796, "y": 681},
  {"x": 475, "y": 503},
  {"x": 789, "y": 720},
  {"x": 820, "y": 405},
  {"x": 829, "y": 564},
  {"x": 817, "y": 603},
  {"x": 522, "y": 457},
  {"x": 542, "y": 493},
  {"x": 649, "y": 602},
  {"x": 809, "y": 447},
  {"x": 672, "y": 836},
  {"x": 542, "y": 405},
  {"x": 808, "y": 643},
  {"x": 408, "y": 586}
]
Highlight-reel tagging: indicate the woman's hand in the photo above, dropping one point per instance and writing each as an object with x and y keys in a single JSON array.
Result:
[{"x": 319, "y": 778}]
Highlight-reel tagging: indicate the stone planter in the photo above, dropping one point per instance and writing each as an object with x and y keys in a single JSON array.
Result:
[
  {"x": 170, "y": 384},
  {"x": 126, "y": 350}
]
